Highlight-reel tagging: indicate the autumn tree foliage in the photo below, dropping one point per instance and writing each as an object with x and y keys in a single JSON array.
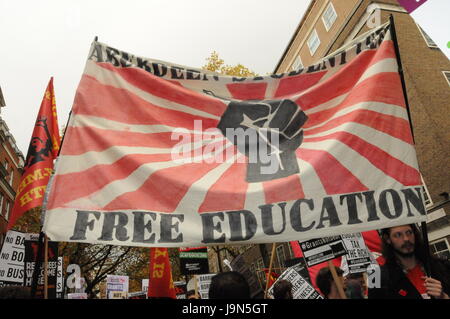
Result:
[{"x": 216, "y": 64}]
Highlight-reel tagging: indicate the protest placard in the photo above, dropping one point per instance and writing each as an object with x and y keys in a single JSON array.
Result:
[
  {"x": 301, "y": 288},
  {"x": 31, "y": 253},
  {"x": 12, "y": 259},
  {"x": 116, "y": 283},
  {"x": 319, "y": 250},
  {"x": 194, "y": 260},
  {"x": 203, "y": 283},
  {"x": 357, "y": 258}
]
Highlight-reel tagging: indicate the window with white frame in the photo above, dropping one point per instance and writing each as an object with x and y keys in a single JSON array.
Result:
[
  {"x": 261, "y": 273},
  {"x": 7, "y": 210},
  {"x": 1, "y": 205},
  {"x": 427, "y": 38},
  {"x": 11, "y": 175},
  {"x": 441, "y": 249},
  {"x": 281, "y": 256},
  {"x": 297, "y": 63},
  {"x": 329, "y": 16},
  {"x": 253, "y": 268},
  {"x": 313, "y": 42},
  {"x": 447, "y": 76},
  {"x": 426, "y": 194},
  {"x": 291, "y": 253}
]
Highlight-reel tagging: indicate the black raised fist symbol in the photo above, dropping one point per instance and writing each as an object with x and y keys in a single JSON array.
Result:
[{"x": 268, "y": 132}]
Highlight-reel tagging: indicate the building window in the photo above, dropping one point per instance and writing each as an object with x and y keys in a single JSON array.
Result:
[
  {"x": 427, "y": 38},
  {"x": 11, "y": 177},
  {"x": 313, "y": 42},
  {"x": 253, "y": 269},
  {"x": 329, "y": 16},
  {"x": 441, "y": 249},
  {"x": 297, "y": 63},
  {"x": 447, "y": 76},
  {"x": 281, "y": 257},
  {"x": 426, "y": 194},
  {"x": 291, "y": 253},
  {"x": 1, "y": 205},
  {"x": 7, "y": 210},
  {"x": 261, "y": 273}
]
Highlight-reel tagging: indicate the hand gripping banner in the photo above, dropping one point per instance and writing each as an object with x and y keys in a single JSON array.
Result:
[{"x": 164, "y": 155}]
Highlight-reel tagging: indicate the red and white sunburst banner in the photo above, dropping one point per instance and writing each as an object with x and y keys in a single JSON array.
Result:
[{"x": 157, "y": 154}]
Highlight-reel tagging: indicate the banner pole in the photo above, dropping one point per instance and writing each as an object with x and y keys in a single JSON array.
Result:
[
  {"x": 45, "y": 267},
  {"x": 423, "y": 225},
  {"x": 270, "y": 270},
  {"x": 337, "y": 281}
]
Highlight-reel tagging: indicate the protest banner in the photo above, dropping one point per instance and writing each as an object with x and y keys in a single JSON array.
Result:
[
  {"x": 330, "y": 152},
  {"x": 31, "y": 257},
  {"x": 12, "y": 259}
]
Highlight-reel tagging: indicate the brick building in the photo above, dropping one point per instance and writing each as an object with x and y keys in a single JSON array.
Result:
[
  {"x": 11, "y": 165},
  {"x": 327, "y": 25},
  {"x": 257, "y": 257}
]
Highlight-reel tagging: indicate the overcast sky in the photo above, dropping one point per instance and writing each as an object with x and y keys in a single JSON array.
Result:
[{"x": 45, "y": 38}]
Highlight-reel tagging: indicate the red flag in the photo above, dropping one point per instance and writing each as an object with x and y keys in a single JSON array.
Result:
[
  {"x": 271, "y": 278},
  {"x": 160, "y": 280},
  {"x": 43, "y": 149}
]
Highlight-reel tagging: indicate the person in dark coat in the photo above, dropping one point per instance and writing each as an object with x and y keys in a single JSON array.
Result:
[{"x": 403, "y": 274}]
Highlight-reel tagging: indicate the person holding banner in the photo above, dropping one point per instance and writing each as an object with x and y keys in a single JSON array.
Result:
[{"x": 403, "y": 273}]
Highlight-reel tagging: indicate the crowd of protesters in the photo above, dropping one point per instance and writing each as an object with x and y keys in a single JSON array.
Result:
[{"x": 402, "y": 276}]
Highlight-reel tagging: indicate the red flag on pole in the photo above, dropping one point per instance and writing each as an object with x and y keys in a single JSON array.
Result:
[
  {"x": 160, "y": 280},
  {"x": 271, "y": 278},
  {"x": 43, "y": 149}
]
